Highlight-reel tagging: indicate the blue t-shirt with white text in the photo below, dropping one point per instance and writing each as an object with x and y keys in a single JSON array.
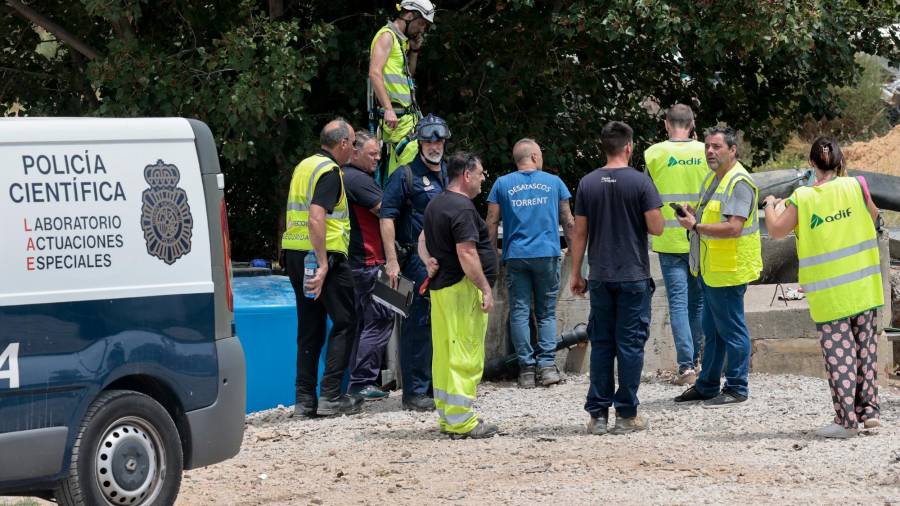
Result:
[{"x": 529, "y": 210}]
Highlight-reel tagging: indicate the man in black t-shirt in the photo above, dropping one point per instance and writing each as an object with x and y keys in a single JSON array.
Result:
[
  {"x": 615, "y": 208},
  {"x": 462, "y": 265},
  {"x": 375, "y": 321}
]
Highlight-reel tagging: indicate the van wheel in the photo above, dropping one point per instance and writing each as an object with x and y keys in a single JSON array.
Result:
[{"x": 127, "y": 453}]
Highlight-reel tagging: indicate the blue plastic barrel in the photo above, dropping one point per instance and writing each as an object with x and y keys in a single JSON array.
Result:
[{"x": 265, "y": 315}]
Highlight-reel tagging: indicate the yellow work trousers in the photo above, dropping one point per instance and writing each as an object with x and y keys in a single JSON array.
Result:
[
  {"x": 394, "y": 136},
  {"x": 458, "y": 327}
]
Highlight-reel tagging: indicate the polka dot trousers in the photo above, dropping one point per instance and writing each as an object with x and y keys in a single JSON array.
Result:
[{"x": 849, "y": 346}]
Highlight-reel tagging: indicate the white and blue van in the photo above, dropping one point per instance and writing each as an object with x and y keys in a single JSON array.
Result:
[{"x": 119, "y": 364}]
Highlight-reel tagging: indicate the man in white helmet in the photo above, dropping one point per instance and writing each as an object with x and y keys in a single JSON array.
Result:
[{"x": 394, "y": 53}]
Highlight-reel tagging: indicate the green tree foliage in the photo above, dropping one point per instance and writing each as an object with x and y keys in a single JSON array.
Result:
[{"x": 497, "y": 70}]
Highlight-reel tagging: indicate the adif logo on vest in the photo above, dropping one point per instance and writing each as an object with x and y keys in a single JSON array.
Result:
[
  {"x": 817, "y": 220},
  {"x": 690, "y": 161}
]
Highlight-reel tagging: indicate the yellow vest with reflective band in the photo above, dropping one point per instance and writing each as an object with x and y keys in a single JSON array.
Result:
[
  {"x": 734, "y": 261},
  {"x": 677, "y": 169},
  {"x": 396, "y": 80},
  {"x": 840, "y": 268},
  {"x": 303, "y": 186}
]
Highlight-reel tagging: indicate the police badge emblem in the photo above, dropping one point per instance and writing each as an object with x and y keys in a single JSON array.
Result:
[{"x": 165, "y": 214}]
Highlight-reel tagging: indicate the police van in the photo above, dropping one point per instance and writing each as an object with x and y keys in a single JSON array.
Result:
[{"x": 119, "y": 364}]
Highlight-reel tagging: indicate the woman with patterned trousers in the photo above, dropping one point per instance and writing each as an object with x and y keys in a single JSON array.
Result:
[{"x": 840, "y": 272}]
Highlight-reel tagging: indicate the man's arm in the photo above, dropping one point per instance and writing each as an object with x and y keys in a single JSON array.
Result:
[
  {"x": 722, "y": 230},
  {"x": 390, "y": 252},
  {"x": 493, "y": 222},
  {"x": 375, "y": 210},
  {"x": 576, "y": 251},
  {"x": 316, "y": 226},
  {"x": 431, "y": 263},
  {"x": 412, "y": 56},
  {"x": 379, "y": 57},
  {"x": 471, "y": 264},
  {"x": 567, "y": 221},
  {"x": 655, "y": 221}
]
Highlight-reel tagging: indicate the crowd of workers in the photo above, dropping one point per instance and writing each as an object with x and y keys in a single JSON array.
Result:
[{"x": 696, "y": 200}]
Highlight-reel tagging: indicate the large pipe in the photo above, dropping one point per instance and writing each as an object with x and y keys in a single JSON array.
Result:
[
  {"x": 884, "y": 188},
  {"x": 508, "y": 366}
]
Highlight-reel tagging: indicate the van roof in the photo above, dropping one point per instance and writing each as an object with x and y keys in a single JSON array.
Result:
[{"x": 30, "y": 130}]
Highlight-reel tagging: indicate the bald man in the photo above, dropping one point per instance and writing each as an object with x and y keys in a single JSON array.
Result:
[
  {"x": 318, "y": 221},
  {"x": 531, "y": 204}
]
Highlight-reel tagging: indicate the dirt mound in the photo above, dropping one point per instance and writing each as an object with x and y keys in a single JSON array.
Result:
[{"x": 881, "y": 154}]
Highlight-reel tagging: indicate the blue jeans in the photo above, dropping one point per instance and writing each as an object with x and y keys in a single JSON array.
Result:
[
  {"x": 685, "y": 305},
  {"x": 727, "y": 341},
  {"x": 537, "y": 279},
  {"x": 415, "y": 334},
  {"x": 618, "y": 328}
]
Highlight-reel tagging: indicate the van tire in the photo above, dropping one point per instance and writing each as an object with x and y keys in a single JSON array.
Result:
[{"x": 111, "y": 415}]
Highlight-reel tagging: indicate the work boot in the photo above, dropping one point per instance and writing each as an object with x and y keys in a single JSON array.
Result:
[
  {"x": 342, "y": 405},
  {"x": 633, "y": 424},
  {"x": 598, "y": 426},
  {"x": 526, "y": 376},
  {"x": 691, "y": 395},
  {"x": 549, "y": 375},
  {"x": 303, "y": 413},
  {"x": 481, "y": 431},
  {"x": 418, "y": 402}
]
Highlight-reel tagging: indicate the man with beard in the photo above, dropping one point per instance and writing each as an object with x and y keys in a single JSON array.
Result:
[{"x": 406, "y": 195}]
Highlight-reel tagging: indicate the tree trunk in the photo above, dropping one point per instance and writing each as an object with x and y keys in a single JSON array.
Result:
[{"x": 276, "y": 9}]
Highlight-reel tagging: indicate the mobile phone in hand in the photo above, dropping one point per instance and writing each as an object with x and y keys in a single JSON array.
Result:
[{"x": 678, "y": 209}]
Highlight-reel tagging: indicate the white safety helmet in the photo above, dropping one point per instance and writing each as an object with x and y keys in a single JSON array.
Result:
[{"x": 423, "y": 7}]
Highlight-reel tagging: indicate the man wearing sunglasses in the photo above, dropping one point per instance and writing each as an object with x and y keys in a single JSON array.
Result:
[
  {"x": 407, "y": 193},
  {"x": 394, "y": 53}
]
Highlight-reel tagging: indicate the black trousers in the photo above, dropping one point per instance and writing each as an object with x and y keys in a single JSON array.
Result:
[{"x": 335, "y": 301}]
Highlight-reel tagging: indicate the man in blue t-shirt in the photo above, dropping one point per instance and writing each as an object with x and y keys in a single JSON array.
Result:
[
  {"x": 615, "y": 208},
  {"x": 531, "y": 204}
]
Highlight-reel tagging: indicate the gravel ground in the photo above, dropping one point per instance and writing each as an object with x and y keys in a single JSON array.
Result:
[{"x": 760, "y": 452}]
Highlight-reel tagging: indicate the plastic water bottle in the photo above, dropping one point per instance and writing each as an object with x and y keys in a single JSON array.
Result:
[{"x": 310, "y": 265}]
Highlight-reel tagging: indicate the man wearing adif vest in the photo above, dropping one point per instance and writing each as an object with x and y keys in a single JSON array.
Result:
[
  {"x": 840, "y": 271},
  {"x": 725, "y": 252},
  {"x": 678, "y": 167},
  {"x": 394, "y": 53},
  {"x": 318, "y": 220}
]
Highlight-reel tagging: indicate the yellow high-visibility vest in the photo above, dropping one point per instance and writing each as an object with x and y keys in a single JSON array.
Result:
[
  {"x": 397, "y": 81},
  {"x": 677, "y": 169},
  {"x": 303, "y": 186},
  {"x": 840, "y": 267},
  {"x": 734, "y": 261}
]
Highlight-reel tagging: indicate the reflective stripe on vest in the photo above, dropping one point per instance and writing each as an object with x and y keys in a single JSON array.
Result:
[
  {"x": 337, "y": 223},
  {"x": 840, "y": 266},
  {"x": 397, "y": 81},
  {"x": 677, "y": 169},
  {"x": 729, "y": 261}
]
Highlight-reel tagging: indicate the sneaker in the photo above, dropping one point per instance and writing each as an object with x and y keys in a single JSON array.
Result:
[
  {"x": 598, "y": 426},
  {"x": 691, "y": 395},
  {"x": 725, "y": 399},
  {"x": 481, "y": 431},
  {"x": 833, "y": 430},
  {"x": 872, "y": 423},
  {"x": 526, "y": 377},
  {"x": 549, "y": 375},
  {"x": 343, "y": 405},
  {"x": 370, "y": 393},
  {"x": 685, "y": 377},
  {"x": 633, "y": 424},
  {"x": 418, "y": 402}
]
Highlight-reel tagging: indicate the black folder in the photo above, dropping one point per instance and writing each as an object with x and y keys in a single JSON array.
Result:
[{"x": 397, "y": 299}]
